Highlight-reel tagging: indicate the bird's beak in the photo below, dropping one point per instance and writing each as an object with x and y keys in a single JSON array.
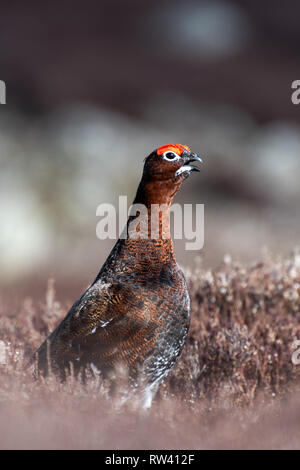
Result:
[
  {"x": 193, "y": 157},
  {"x": 187, "y": 168}
]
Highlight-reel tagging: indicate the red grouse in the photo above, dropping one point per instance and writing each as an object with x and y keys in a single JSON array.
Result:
[{"x": 137, "y": 311}]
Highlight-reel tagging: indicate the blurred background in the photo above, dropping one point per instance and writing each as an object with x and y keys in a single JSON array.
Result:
[{"x": 93, "y": 87}]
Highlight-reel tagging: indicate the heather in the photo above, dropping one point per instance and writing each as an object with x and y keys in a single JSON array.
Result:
[{"x": 234, "y": 386}]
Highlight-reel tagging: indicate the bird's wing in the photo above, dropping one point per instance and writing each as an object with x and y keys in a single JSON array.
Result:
[{"x": 108, "y": 323}]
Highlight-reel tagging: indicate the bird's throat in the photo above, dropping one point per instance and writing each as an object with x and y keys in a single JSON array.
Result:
[{"x": 150, "y": 212}]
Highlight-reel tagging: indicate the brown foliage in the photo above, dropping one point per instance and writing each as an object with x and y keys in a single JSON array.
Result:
[{"x": 234, "y": 381}]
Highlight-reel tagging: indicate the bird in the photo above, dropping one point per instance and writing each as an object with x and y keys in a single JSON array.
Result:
[{"x": 136, "y": 313}]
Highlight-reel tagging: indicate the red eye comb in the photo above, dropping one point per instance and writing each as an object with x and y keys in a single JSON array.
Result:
[{"x": 177, "y": 148}]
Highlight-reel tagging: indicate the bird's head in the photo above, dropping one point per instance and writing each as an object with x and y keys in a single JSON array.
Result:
[
  {"x": 164, "y": 171},
  {"x": 171, "y": 162}
]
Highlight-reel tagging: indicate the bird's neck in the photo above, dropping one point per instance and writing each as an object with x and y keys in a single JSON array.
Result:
[
  {"x": 156, "y": 192},
  {"x": 146, "y": 243},
  {"x": 150, "y": 214}
]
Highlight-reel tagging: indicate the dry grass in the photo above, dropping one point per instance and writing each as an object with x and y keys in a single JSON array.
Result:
[{"x": 235, "y": 385}]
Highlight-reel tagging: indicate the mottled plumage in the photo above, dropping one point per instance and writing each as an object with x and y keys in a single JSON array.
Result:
[{"x": 137, "y": 311}]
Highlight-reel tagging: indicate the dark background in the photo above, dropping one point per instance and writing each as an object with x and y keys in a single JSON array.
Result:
[{"x": 94, "y": 87}]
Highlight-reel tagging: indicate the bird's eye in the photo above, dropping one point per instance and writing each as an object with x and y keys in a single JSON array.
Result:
[{"x": 170, "y": 156}]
